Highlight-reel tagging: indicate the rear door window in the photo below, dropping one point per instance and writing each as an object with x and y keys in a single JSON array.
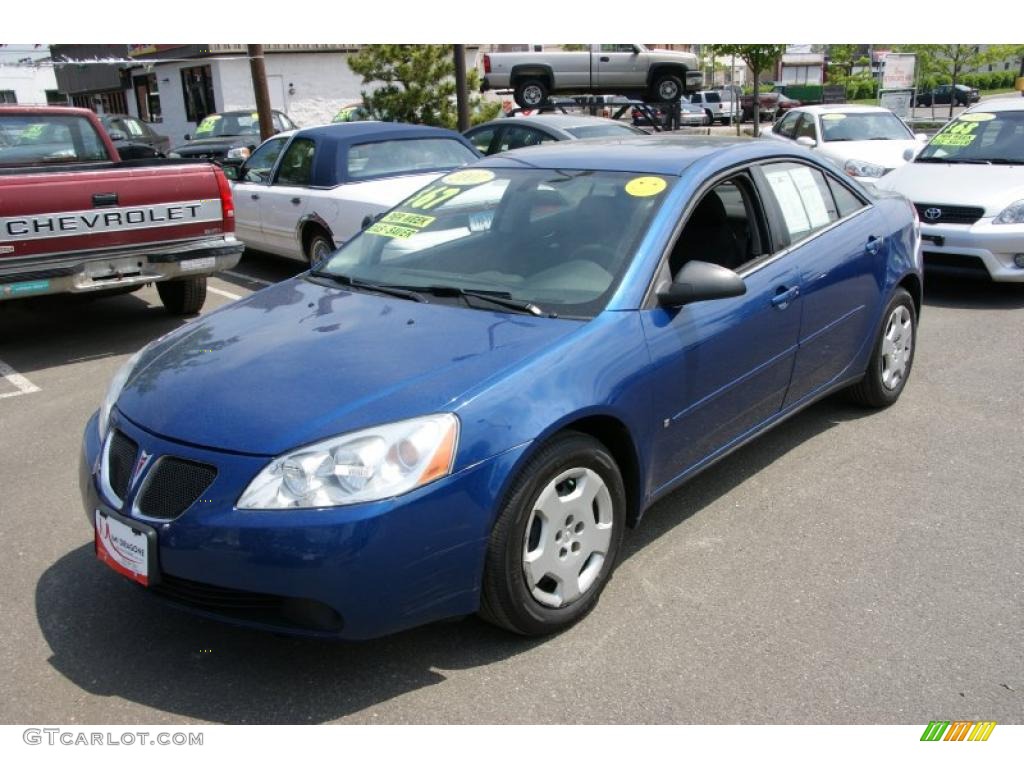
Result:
[
  {"x": 803, "y": 197},
  {"x": 296, "y": 168}
]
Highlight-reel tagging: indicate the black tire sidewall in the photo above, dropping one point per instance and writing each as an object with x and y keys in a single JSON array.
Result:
[
  {"x": 519, "y": 95},
  {"x": 521, "y": 608},
  {"x": 311, "y": 249},
  {"x": 885, "y": 395}
]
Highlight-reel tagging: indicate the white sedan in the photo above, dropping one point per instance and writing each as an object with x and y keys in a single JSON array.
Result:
[
  {"x": 866, "y": 142},
  {"x": 303, "y": 193},
  {"x": 968, "y": 188}
]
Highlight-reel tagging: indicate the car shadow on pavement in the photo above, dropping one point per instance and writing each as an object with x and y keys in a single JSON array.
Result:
[
  {"x": 52, "y": 331},
  {"x": 110, "y": 640},
  {"x": 954, "y": 293}
]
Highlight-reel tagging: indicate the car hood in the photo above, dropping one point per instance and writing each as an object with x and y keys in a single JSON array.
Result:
[
  {"x": 217, "y": 142},
  {"x": 992, "y": 187},
  {"x": 888, "y": 154},
  {"x": 299, "y": 362}
]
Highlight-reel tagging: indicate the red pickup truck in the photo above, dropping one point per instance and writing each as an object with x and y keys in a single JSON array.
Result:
[{"x": 75, "y": 218}]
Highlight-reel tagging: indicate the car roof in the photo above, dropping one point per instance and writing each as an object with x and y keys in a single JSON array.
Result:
[
  {"x": 362, "y": 130},
  {"x": 661, "y": 153},
  {"x": 562, "y": 122},
  {"x": 826, "y": 109},
  {"x": 1011, "y": 104},
  {"x": 243, "y": 112}
]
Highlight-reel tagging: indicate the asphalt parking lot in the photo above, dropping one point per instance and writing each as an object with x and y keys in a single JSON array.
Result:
[{"x": 849, "y": 567}]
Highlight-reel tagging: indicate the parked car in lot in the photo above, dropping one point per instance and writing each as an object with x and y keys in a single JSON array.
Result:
[
  {"x": 228, "y": 135},
  {"x": 302, "y": 193},
  {"x": 718, "y": 106},
  {"x": 962, "y": 96},
  {"x": 689, "y": 115},
  {"x": 772, "y": 106},
  {"x": 133, "y": 138},
  {"x": 866, "y": 142},
  {"x": 968, "y": 187},
  {"x": 481, "y": 416},
  {"x": 76, "y": 218},
  {"x": 508, "y": 133}
]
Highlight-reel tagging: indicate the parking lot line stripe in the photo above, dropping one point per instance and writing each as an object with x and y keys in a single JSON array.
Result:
[
  {"x": 251, "y": 279},
  {"x": 225, "y": 294},
  {"x": 16, "y": 380}
]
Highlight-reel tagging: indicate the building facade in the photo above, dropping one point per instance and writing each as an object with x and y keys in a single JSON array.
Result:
[{"x": 27, "y": 75}]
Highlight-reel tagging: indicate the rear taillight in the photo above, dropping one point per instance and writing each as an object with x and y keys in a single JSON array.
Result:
[
  {"x": 227, "y": 203},
  {"x": 487, "y": 64}
]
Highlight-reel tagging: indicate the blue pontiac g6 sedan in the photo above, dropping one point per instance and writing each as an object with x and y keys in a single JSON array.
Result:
[{"x": 464, "y": 407}]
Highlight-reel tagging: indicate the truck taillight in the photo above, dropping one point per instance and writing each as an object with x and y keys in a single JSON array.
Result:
[
  {"x": 227, "y": 203},
  {"x": 487, "y": 64}
]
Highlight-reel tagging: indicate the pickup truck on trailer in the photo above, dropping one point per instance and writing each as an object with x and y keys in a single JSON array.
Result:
[
  {"x": 630, "y": 69},
  {"x": 75, "y": 218}
]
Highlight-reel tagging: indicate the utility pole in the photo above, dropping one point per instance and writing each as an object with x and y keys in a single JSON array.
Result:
[
  {"x": 461, "y": 92},
  {"x": 259, "y": 85}
]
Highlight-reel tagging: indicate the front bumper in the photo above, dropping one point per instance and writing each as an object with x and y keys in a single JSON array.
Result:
[
  {"x": 974, "y": 249},
  {"x": 90, "y": 272},
  {"x": 367, "y": 569}
]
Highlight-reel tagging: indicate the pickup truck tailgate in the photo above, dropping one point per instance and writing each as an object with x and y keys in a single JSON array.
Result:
[{"x": 112, "y": 205}]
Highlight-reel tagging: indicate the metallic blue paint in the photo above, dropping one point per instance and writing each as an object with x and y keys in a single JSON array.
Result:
[{"x": 301, "y": 361}]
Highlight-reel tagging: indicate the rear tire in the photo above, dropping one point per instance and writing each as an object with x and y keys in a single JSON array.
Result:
[
  {"x": 556, "y": 539},
  {"x": 666, "y": 88},
  {"x": 183, "y": 297},
  {"x": 319, "y": 245},
  {"x": 531, "y": 93},
  {"x": 892, "y": 356}
]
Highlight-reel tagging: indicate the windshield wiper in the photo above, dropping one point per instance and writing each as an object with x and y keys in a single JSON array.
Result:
[
  {"x": 501, "y": 298},
  {"x": 999, "y": 161},
  {"x": 390, "y": 290},
  {"x": 953, "y": 160}
]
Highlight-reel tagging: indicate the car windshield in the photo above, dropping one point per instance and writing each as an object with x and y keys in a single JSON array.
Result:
[
  {"x": 863, "y": 126},
  {"x": 557, "y": 240},
  {"x": 595, "y": 131},
  {"x": 232, "y": 124},
  {"x": 33, "y": 139},
  {"x": 401, "y": 156},
  {"x": 979, "y": 137}
]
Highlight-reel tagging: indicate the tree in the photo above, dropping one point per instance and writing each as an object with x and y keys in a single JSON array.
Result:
[
  {"x": 842, "y": 59},
  {"x": 949, "y": 60},
  {"x": 758, "y": 58},
  {"x": 416, "y": 84}
]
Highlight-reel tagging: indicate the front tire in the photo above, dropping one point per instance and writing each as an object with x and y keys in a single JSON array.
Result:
[
  {"x": 183, "y": 297},
  {"x": 531, "y": 93},
  {"x": 892, "y": 355},
  {"x": 666, "y": 88},
  {"x": 556, "y": 540}
]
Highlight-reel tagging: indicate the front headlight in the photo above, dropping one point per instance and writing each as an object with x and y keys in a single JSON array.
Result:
[
  {"x": 369, "y": 465},
  {"x": 864, "y": 168},
  {"x": 114, "y": 391},
  {"x": 1012, "y": 214},
  {"x": 238, "y": 152},
  {"x": 173, "y": 154}
]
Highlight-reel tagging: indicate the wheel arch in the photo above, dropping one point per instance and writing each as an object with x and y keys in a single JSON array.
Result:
[
  {"x": 527, "y": 71},
  {"x": 912, "y": 284},
  {"x": 308, "y": 224},
  {"x": 679, "y": 70}
]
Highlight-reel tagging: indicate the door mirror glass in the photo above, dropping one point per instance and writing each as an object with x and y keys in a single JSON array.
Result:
[
  {"x": 701, "y": 281},
  {"x": 231, "y": 171}
]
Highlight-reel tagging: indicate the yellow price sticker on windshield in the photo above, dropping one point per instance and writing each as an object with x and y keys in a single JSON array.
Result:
[
  {"x": 33, "y": 131},
  {"x": 408, "y": 219},
  {"x": 391, "y": 230},
  {"x": 977, "y": 117},
  {"x": 208, "y": 123},
  {"x": 646, "y": 186},
  {"x": 468, "y": 178}
]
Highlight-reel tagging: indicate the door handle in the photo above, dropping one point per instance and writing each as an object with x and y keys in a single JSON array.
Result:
[
  {"x": 605, "y": 59},
  {"x": 254, "y": 196},
  {"x": 874, "y": 243},
  {"x": 783, "y": 296},
  {"x": 296, "y": 200}
]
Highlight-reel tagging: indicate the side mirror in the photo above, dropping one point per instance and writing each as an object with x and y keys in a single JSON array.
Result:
[
  {"x": 188, "y": 137},
  {"x": 231, "y": 172},
  {"x": 117, "y": 136},
  {"x": 369, "y": 221},
  {"x": 701, "y": 281},
  {"x": 922, "y": 137},
  {"x": 807, "y": 141}
]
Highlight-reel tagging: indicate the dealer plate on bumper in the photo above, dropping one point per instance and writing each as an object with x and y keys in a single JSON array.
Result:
[
  {"x": 195, "y": 265},
  {"x": 127, "y": 547}
]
